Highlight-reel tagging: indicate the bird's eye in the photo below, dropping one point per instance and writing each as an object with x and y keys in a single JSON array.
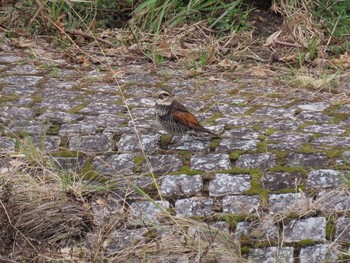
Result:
[{"x": 163, "y": 95}]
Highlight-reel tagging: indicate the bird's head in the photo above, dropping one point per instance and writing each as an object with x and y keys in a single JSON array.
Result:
[{"x": 165, "y": 97}]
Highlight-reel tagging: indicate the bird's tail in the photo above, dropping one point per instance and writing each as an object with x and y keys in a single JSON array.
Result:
[{"x": 208, "y": 131}]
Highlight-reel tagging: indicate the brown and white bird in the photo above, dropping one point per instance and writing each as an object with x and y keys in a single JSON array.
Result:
[{"x": 174, "y": 116}]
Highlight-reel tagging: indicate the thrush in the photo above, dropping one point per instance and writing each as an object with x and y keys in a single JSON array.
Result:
[{"x": 175, "y": 117}]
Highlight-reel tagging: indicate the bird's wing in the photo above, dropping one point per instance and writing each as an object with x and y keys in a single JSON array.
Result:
[{"x": 182, "y": 115}]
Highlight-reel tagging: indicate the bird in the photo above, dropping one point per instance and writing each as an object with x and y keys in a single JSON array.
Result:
[{"x": 174, "y": 117}]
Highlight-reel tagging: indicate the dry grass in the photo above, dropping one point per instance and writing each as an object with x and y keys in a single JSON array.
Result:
[
  {"x": 36, "y": 211},
  {"x": 49, "y": 215}
]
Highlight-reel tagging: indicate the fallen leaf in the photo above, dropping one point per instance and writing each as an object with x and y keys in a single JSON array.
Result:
[
  {"x": 288, "y": 58},
  {"x": 228, "y": 64},
  {"x": 258, "y": 71},
  {"x": 272, "y": 38},
  {"x": 343, "y": 61},
  {"x": 23, "y": 42}
]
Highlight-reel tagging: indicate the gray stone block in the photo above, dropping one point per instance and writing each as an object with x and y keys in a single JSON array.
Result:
[
  {"x": 7, "y": 144},
  {"x": 244, "y": 121},
  {"x": 318, "y": 253},
  {"x": 227, "y": 184},
  {"x": 326, "y": 178},
  {"x": 331, "y": 141},
  {"x": 23, "y": 80},
  {"x": 181, "y": 185},
  {"x": 59, "y": 117},
  {"x": 331, "y": 201},
  {"x": 92, "y": 143},
  {"x": 122, "y": 239},
  {"x": 189, "y": 143},
  {"x": 288, "y": 203},
  {"x": 311, "y": 228},
  {"x": 307, "y": 160},
  {"x": 28, "y": 127},
  {"x": 15, "y": 113},
  {"x": 256, "y": 160},
  {"x": 77, "y": 129},
  {"x": 314, "y": 106},
  {"x": 241, "y": 204},
  {"x": 290, "y": 137},
  {"x": 242, "y": 133},
  {"x": 311, "y": 116},
  {"x": 274, "y": 112},
  {"x": 143, "y": 213},
  {"x": 210, "y": 162},
  {"x": 272, "y": 255},
  {"x": 259, "y": 231},
  {"x": 227, "y": 145},
  {"x": 130, "y": 143},
  {"x": 105, "y": 120},
  {"x": 342, "y": 230},
  {"x": 141, "y": 102},
  {"x": 280, "y": 180},
  {"x": 70, "y": 163},
  {"x": 331, "y": 129},
  {"x": 162, "y": 164},
  {"x": 271, "y": 102},
  {"x": 194, "y": 207},
  {"x": 118, "y": 164},
  {"x": 47, "y": 143},
  {"x": 97, "y": 108},
  {"x": 283, "y": 125}
]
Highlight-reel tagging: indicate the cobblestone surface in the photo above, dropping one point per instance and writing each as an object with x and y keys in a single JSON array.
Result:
[{"x": 279, "y": 154}]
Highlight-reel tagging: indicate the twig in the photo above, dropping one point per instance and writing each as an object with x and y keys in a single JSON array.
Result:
[{"x": 288, "y": 44}]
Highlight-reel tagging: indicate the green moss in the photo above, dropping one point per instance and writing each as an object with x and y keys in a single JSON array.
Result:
[
  {"x": 282, "y": 169},
  {"x": 186, "y": 155},
  {"x": 188, "y": 171},
  {"x": 345, "y": 257},
  {"x": 338, "y": 117},
  {"x": 211, "y": 120},
  {"x": 78, "y": 108},
  {"x": 231, "y": 219},
  {"x": 293, "y": 215},
  {"x": 264, "y": 244},
  {"x": 281, "y": 155},
  {"x": 6, "y": 98},
  {"x": 306, "y": 148},
  {"x": 285, "y": 191},
  {"x": 270, "y": 131},
  {"x": 165, "y": 138},
  {"x": 261, "y": 147},
  {"x": 245, "y": 250},
  {"x": 53, "y": 130},
  {"x": 306, "y": 243},
  {"x": 252, "y": 110},
  {"x": 88, "y": 172},
  {"x": 330, "y": 227},
  {"x": 138, "y": 160},
  {"x": 37, "y": 99},
  {"x": 236, "y": 170},
  {"x": 245, "y": 240},
  {"x": 214, "y": 143},
  {"x": 262, "y": 137},
  {"x": 256, "y": 187},
  {"x": 67, "y": 153},
  {"x": 334, "y": 153},
  {"x": 235, "y": 154}
]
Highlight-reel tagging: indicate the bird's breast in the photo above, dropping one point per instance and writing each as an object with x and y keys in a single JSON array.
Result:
[{"x": 162, "y": 110}]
